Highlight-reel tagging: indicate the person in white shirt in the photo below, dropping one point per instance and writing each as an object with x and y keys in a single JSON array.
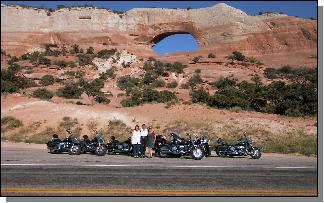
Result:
[
  {"x": 136, "y": 141},
  {"x": 144, "y": 133}
]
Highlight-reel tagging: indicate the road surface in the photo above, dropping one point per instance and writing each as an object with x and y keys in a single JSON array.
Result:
[{"x": 28, "y": 171}]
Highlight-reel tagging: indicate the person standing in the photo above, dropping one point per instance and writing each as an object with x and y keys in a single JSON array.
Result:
[
  {"x": 144, "y": 133},
  {"x": 150, "y": 142},
  {"x": 136, "y": 141}
]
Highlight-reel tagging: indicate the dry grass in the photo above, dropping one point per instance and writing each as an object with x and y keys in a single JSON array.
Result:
[{"x": 284, "y": 141}]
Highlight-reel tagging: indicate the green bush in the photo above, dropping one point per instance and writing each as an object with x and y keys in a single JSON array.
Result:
[
  {"x": 11, "y": 83},
  {"x": 199, "y": 95},
  {"x": 110, "y": 73},
  {"x": 60, "y": 63},
  {"x": 172, "y": 84},
  {"x": 224, "y": 82},
  {"x": 70, "y": 91},
  {"x": 127, "y": 82},
  {"x": 236, "y": 55},
  {"x": 165, "y": 96},
  {"x": 194, "y": 80},
  {"x": 15, "y": 67},
  {"x": 105, "y": 53},
  {"x": 43, "y": 93},
  {"x": 211, "y": 55},
  {"x": 176, "y": 67},
  {"x": 43, "y": 61},
  {"x": 101, "y": 98},
  {"x": 84, "y": 59},
  {"x": 157, "y": 83},
  {"x": 196, "y": 59},
  {"x": 12, "y": 60},
  {"x": 90, "y": 50},
  {"x": 198, "y": 71},
  {"x": 75, "y": 49},
  {"x": 47, "y": 80}
]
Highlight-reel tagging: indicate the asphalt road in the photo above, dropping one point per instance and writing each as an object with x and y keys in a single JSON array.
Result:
[{"x": 32, "y": 172}]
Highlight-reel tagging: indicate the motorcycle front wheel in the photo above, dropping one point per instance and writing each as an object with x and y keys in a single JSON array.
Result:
[
  {"x": 197, "y": 154},
  {"x": 74, "y": 150},
  {"x": 101, "y": 150},
  {"x": 256, "y": 154}
]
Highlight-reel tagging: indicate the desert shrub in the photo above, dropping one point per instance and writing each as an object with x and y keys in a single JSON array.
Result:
[
  {"x": 176, "y": 67},
  {"x": 252, "y": 60},
  {"x": 184, "y": 86},
  {"x": 105, "y": 53},
  {"x": 84, "y": 59},
  {"x": 101, "y": 98},
  {"x": 15, "y": 67},
  {"x": 3, "y": 52},
  {"x": 198, "y": 71},
  {"x": 43, "y": 61},
  {"x": 127, "y": 82},
  {"x": 172, "y": 84},
  {"x": 224, "y": 82},
  {"x": 47, "y": 80},
  {"x": 11, "y": 83},
  {"x": 196, "y": 59},
  {"x": 150, "y": 95},
  {"x": 110, "y": 73},
  {"x": 12, "y": 60},
  {"x": 70, "y": 91},
  {"x": 165, "y": 96},
  {"x": 75, "y": 49},
  {"x": 60, "y": 63},
  {"x": 128, "y": 102},
  {"x": 90, "y": 50},
  {"x": 194, "y": 80},
  {"x": 157, "y": 83},
  {"x": 43, "y": 93},
  {"x": 10, "y": 122},
  {"x": 199, "y": 95},
  {"x": 118, "y": 129},
  {"x": 236, "y": 55},
  {"x": 227, "y": 98},
  {"x": 211, "y": 55}
]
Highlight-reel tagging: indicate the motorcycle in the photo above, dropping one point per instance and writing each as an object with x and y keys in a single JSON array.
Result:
[
  {"x": 178, "y": 147},
  {"x": 95, "y": 146},
  {"x": 69, "y": 144},
  {"x": 160, "y": 141},
  {"x": 116, "y": 147},
  {"x": 203, "y": 142},
  {"x": 244, "y": 147}
]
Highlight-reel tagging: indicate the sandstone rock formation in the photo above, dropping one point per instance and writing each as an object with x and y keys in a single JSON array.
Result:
[{"x": 220, "y": 28}]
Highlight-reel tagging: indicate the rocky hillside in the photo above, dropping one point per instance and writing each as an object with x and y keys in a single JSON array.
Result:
[{"x": 221, "y": 28}]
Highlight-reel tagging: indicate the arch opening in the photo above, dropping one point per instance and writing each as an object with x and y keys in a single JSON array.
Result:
[{"x": 173, "y": 42}]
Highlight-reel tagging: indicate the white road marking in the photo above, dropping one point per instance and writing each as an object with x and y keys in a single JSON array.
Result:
[
  {"x": 132, "y": 165},
  {"x": 291, "y": 167}
]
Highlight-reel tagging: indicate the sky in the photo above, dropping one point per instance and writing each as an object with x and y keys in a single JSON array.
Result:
[{"x": 185, "y": 42}]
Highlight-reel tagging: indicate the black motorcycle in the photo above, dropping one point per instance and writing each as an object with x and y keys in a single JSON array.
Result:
[
  {"x": 179, "y": 146},
  {"x": 95, "y": 146},
  {"x": 116, "y": 147},
  {"x": 203, "y": 142},
  {"x": 160, "y": 141},
  {"x": 244, "y": 147},
  {"x": 69, "y": 144}
]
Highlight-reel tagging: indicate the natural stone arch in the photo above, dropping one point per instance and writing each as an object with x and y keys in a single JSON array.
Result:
[{"x": 157, "y": 38}]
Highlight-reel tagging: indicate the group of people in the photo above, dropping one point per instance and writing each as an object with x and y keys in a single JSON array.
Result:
[{"x": 143, "y": 141}]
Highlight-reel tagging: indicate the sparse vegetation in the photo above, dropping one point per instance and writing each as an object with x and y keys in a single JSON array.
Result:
[
  {"x": 43, "y": 93},
  {"x": 70, "y": 91},
  {"x": 85, "y": 59},
  {"x": 211, "y": 55},
  {"x": 105, "y": 53},
  {"x": 236, "y": 55},
  {"x": 10, "y": 123},
  {"x": 11, "y": 83},
  {"x": 194, "y": 80},
  {"x": 172, "y": 84},
  {"x": 47, "y": 80}
]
